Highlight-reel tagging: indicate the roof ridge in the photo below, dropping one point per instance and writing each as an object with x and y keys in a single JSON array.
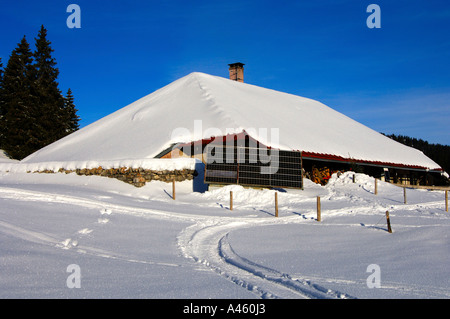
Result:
[{"x": 212, "y": 100}]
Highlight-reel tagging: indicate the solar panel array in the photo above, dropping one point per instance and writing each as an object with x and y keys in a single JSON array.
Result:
[{"x": 253, "y": 167}]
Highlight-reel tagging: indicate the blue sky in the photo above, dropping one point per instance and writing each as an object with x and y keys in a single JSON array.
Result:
[{"x": 395, "y": 79}]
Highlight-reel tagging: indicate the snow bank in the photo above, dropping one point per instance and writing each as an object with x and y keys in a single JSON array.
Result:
[
  {"x": 5, "y": 159},
  {"x": 155, "y": 164},
  {"x": 248, "y": 196},
  {"x": 345, "y": 178}
]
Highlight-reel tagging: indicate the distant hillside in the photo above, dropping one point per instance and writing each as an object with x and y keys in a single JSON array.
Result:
[{"x": 437, "y": 152}]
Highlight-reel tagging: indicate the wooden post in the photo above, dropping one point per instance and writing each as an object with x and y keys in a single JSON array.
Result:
[
  {"x": 404, "y": 195},
  {"x": 354, "y": 177},
  {"x": 446, "y": 201},
  {"x": 388, "y": 222},
  {"x": 319, "y": 217},
  {"x": 376, "y": 187},
  {"x": 276, "y": 204},
  {"x": 173, "y": 189},
  {"x": 231, "y": 200}
]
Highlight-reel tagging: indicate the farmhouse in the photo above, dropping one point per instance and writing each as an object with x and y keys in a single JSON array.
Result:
[
  {"x": 243, "y": 134},
  {"x": 319, "y": 166}
]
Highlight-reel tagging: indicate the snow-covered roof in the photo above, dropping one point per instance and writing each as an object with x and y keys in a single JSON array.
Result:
[{"x": 200, "y": 106}]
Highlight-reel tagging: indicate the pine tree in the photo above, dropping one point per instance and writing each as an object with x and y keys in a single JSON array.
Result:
[
  {"x": 1, "y": 73},
  {"x": 52, "y": 119},
  {"x": 437, "y": 152},
  {"x": 17, "y": 104},
  {"x": 71, "y": 112},
  {"x": 33, "y": 112}
]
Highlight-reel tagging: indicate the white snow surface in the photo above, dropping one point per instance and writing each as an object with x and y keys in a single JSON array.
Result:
[
  {"x": 4, "y": 159},
  {"x": 201, "y": 106},
  {"x": 148, "y": 163},
  {"x": 140, "y": 243}
]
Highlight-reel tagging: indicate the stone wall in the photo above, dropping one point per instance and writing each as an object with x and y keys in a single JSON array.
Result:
[{"x": 134, "y": 176}]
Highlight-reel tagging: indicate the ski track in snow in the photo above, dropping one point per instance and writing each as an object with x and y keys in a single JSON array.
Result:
[
  {"x": 209, "y": 245},
  {"x": 74, "y": 241},
  {"x": 205, "y": 241}
]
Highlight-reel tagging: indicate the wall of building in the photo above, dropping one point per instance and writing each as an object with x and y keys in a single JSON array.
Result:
[{"x": 134, "y": 176}]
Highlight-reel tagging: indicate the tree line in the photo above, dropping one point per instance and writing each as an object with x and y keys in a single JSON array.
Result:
[
  {"x": 437, "y": 152},
  {"x": 33, "y": 110}
]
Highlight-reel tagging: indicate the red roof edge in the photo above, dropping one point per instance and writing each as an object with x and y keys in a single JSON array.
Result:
[
  {"x": 349, "y": 160},
  {"x": 310, "y": 155},
  {"x": 238, "y": 137}
]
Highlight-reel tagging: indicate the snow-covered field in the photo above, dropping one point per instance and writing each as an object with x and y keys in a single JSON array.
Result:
[{"x": 69, "y": 236}]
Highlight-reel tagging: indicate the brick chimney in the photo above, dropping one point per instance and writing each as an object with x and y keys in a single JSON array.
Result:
[{"x": 237, "y": 71}]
